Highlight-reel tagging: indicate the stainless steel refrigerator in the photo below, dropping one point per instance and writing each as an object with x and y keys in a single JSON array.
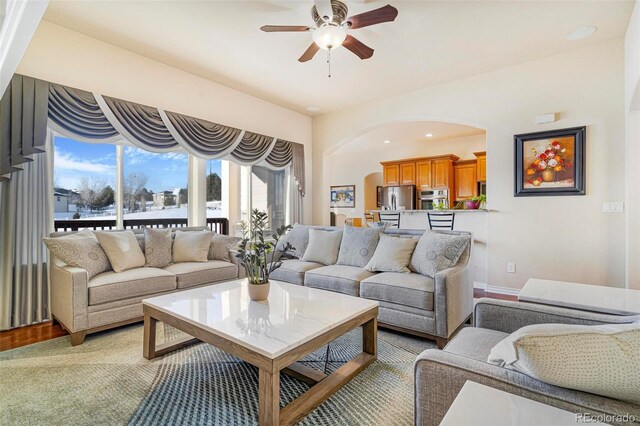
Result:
[{"x": 399, "y": 197}]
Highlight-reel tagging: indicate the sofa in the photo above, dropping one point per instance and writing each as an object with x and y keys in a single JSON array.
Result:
[
  {"x": 440, "y": 374},
  {"x": 434, "y": 308},
  {"x": 111, "y": 299}
]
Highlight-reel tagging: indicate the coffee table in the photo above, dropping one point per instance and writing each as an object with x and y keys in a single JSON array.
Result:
[{"x": 271, "y": 335}]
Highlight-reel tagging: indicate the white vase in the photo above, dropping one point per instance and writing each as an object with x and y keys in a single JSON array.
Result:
[{"x": 258, "y": 292}]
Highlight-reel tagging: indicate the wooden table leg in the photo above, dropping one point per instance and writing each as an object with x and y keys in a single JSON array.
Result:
[
  {"x": 149, "y": 341},
  {"x": 269, "y": 398},
  {"x": 370, "y": 337}
]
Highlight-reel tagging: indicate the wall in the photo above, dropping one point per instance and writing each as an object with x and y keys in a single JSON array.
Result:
[
  {"x": 632, "y": 148},
  {"x": 67, "y": 57},
  {"x": 370, "y": 188},
  {"x": 343, "y": 170},
  {"x": 566, "y": 238}
]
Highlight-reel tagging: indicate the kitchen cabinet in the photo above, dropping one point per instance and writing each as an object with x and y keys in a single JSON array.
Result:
[
  {"x": 466, "y": 180},
  {"x": 391, "y": 174},
  {"x": 482, "y": 166},
  {"x": 442, "y": 173},
  {"x": 407, "y": 173},
  {"x": 423, "y": 174}
]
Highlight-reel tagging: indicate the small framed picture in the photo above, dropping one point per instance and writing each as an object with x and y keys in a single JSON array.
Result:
[
  {"x": 343, "y": 196},
  {"x": 550, "y": 162},
  {"x": 379, "y": 196}
]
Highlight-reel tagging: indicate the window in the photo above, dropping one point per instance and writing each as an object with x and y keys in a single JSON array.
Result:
[
  {"x": 84, "y": 177},
  {"x": 154, "y": 184},
  {"x": 266, "y": 190},
  {"x": 214, "y": 188}
]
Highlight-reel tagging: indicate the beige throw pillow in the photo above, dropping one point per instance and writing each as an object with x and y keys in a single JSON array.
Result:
[
  {"x": 392, "y": 254},
  {"x": 157, "y": 243},
  {"x": 601, "y": 359},
  {"x": 324, "y": 247},
  {"x": 122, "y": 249},
  {"x": 191, "y": 246},
  {"x": 80, "y": 250},
  {"x": 220, "y": 247}
]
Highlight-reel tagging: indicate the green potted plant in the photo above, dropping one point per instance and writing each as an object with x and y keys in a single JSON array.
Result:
[
  {"x": 475, "y": 202},
  {"x": 258, "y": 256}
]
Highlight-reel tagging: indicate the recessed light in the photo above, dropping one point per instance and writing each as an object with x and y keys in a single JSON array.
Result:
[
  {"x": 313, "y": 109},
  {"x": 429, "y": 135},
  {"x": 387, "y": 141},
  {"x": 580, "y": 33}
]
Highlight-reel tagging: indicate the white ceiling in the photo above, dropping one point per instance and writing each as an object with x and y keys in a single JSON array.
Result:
[
  {"x": 406, "y": 133},
  {"x": 430, "y": 42}
]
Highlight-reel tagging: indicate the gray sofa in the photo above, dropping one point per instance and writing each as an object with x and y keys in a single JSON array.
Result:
[
  {"x": 429, "y": 307},
  {"x": 440, "y": 374},
  {"x": 111, "y": 299}
]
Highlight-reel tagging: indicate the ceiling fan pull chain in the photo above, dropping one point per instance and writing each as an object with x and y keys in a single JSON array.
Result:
[{"x": 329, "y": 61}]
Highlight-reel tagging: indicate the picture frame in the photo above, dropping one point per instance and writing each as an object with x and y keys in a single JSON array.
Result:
[
  {"x": 342, "y": 196},
  {"x": 379, "y": 196},
  {"x": 550, "y": 163}
]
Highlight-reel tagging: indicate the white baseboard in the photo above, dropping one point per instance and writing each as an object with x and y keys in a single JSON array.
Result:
[{"x": 495, "y": 289}]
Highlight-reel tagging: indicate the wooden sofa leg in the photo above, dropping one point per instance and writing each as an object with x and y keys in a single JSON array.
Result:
[
  {"x": 441, "y": 342},
  {"x": 77, "y": 338}
]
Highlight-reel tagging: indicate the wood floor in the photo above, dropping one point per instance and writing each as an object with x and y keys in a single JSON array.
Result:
[{"x": 48, "y": 330}]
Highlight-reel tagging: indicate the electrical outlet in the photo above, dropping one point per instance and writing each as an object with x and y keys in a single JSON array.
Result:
[
  {"x": 613, "y": 207},
  {"x": 511, "y": 267}
]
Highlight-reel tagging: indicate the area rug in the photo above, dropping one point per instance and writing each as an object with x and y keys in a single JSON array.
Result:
[{"x": 106, "y": 381}]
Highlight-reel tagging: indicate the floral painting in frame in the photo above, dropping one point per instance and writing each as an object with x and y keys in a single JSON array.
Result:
[
  {"x": 343, "y": 196},
  {"x": 550, "y": 162}
]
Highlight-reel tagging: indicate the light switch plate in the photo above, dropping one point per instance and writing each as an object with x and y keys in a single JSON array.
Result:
[
  {"x": 511, "y": 267},
  {"x": 613, "y": 207}
]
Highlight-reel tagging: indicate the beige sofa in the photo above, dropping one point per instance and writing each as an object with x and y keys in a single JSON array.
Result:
[{"x": 111, "y": 299}]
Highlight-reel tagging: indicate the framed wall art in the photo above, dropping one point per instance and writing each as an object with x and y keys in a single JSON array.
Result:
[{"x": 343, "y": 196}]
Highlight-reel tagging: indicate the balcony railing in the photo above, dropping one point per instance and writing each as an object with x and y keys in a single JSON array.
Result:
[{"x": 217, "y": 224}]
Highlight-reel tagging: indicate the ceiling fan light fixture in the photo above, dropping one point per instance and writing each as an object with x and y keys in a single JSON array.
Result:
[{"x": 329, "y": 37}]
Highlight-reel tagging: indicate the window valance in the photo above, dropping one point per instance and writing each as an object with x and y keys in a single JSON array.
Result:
[{"x": 75, "y": 113}]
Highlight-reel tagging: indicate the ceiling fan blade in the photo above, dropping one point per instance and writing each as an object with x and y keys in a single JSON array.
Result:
[
  {"x": 283, "y": 28},
  {"x": 324, "y": 9},
  {"x": 309, "y": 53},
  {"x": 386, "y": 13},
  {"x": 359, "y": 48}
]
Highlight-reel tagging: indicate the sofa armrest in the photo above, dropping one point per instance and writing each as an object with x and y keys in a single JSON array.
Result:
[
  {"x": 241, "y": 271},
  {"x": 439, "y": 377},
  {"x": 69, "y": 296},
  {"x": 453, "y": 299},
  {"x": 509, "y": 316}
]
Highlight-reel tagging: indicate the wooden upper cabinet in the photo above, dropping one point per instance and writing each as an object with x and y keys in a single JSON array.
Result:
[
  {"x": 482, "y": 166},
  {"x": 407, "y": 173},
  {"x": 466, "y": 174},
  {"x": 391, "y": 174},
  {"x": 442, "y": 173},
  {"x": 423, "y": 174}
]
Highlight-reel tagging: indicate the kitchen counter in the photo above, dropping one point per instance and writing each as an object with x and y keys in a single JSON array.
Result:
[{"x": 434, "y": 211}]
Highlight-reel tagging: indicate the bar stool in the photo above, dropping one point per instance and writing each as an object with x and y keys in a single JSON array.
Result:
[
  {"x": 392, "y": 219},
  {"x": 441, "y": 220}
]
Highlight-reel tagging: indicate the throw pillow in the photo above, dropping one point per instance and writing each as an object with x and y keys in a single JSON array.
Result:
[
  {"x": 323, "y": 246},
  {"x": 393, "y": 254},
  {"x": 358, "y": 245},
  {"x": 220, "y": 246},
  {"x": 157, "y": 247},
  {"x": 382, "y": 225},
  {"x": 122, "y": 249},
  {"x": 80, "y": 250},
  {"x": 436, "y": 252},
  {"x": 191, "y": 246},
  {"x": 298, "y": 236},
  {"x": 599, "y": 359}
]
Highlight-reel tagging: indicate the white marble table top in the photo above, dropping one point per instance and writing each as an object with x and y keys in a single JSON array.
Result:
[
  {"x": 292, "y": 315},
  {"x": 587, "y": 297},
  {"x": 480, "y": 405}
]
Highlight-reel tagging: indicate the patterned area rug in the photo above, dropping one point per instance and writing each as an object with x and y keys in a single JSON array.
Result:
[{"x": 106, "y": 381}]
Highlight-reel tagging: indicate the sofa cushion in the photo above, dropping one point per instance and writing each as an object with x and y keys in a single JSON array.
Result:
[
  {"x": 293, "y": 271},
  {"x": 324, "y": 246},
  {"x": 112, "y": 286},
  {"x": 298, "y": 236},
  {"x": 191, "y": 246},
  {"x": 358, "y": 245},
  {"x": 340, "y": 278},
  {"x": 122, "y": 249},
  {"x": 393, "y": 254},
  {"x": 475, "y": 343},
  {"x": 157, "y": 247},
  {"x": 190, "y": 274},
  {"x": 220, "y": 247},
  {"x": 412, "y": 290},
  {"x": 80, "y": 250}
]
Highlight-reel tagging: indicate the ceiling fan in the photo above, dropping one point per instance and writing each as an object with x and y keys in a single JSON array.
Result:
[{"x": 332, "y": 24}]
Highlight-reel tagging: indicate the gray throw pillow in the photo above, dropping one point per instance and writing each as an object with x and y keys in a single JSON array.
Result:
[
  {"x": 323, "y": 246},
  {"x": 157, "y": 247},
  {"x": 358, "y": 245},
  {"x": 393, "y": 254},
  {"x": 220, "y": 246},
  {"x": 436, "y": 252},
  {"x": 298, "y": 236},
  {"x": 80, "y": 250}
]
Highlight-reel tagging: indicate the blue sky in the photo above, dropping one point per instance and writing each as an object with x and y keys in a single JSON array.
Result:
[{"x": 74, "y": 160}]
